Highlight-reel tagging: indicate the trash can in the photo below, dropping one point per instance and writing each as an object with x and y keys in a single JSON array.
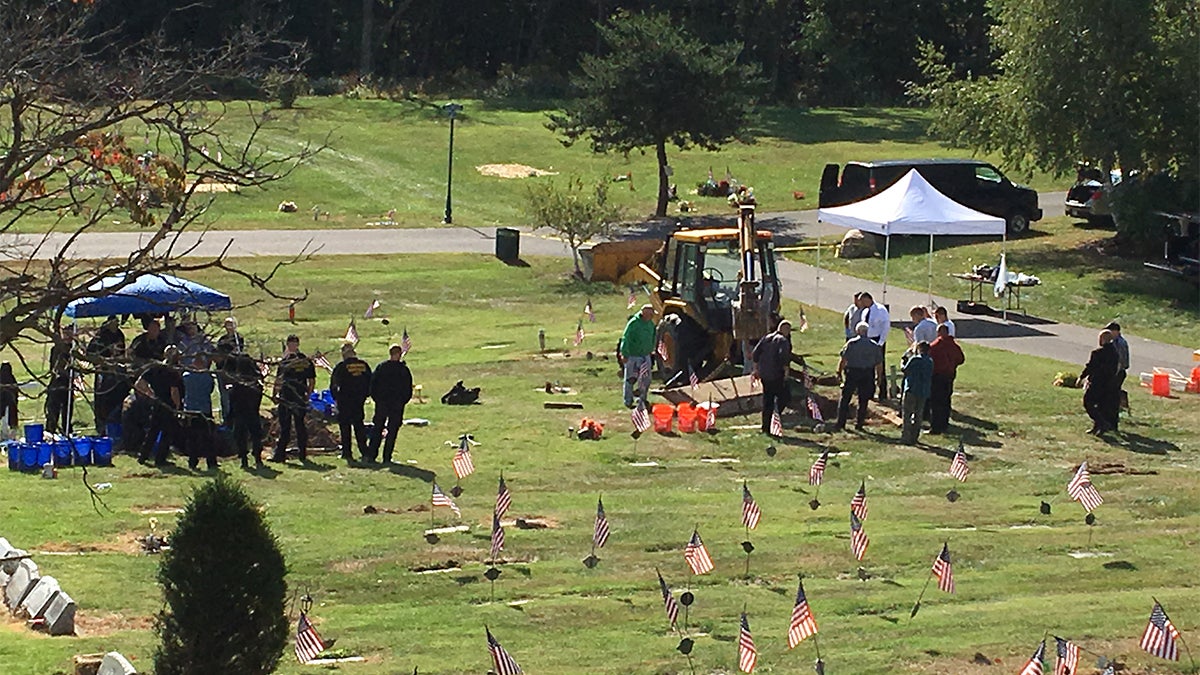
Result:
[{"x": 508, "y": 244}]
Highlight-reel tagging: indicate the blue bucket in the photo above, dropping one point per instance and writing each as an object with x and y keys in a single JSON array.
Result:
[
  {"x": 34, "y": 433},
  {"x": 62, "y": 453},
  {"x": 29, "y": 457},
  {"x": 82, "y": 451},
  {"x": 113, "y": 430},
  {"x": 14, "y": 455},
  {"x": 102, "y": 451},
  {"x": 45, "y": 454}
]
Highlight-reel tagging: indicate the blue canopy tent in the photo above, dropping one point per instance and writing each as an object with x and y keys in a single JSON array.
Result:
[{"x": 146, "y": 294}]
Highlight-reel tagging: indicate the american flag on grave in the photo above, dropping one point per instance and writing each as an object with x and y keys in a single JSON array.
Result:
[{"x": 308, "y": 642}]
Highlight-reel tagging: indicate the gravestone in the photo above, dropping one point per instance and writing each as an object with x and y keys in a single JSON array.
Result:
[
  {"x": 60, "y": 615},
  {"x": 115, "y": 664},
  {"x": 38, "y": 598},
  {"x": 23, "y": 578}
]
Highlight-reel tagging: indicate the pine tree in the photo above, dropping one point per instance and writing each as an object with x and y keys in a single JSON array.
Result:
[{"x": 224, "y": 588}]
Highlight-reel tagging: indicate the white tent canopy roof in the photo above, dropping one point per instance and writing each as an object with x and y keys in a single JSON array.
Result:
[{"x": 912, "y": 206}]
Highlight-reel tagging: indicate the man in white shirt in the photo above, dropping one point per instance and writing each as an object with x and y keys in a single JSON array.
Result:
[
  {"x": 879, "y": 322},
  {"x": 943, "y": 319},
  {"x": 923, "y": 329}
]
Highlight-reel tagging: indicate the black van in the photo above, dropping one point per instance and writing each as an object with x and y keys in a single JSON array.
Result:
[{"x": 969, "y": 182}]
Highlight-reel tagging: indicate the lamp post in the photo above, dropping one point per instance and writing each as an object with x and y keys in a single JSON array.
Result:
[{"x": 452, "y": 109}]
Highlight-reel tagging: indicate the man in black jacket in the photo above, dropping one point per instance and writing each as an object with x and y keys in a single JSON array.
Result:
[
  {"x": 772, "y": 356},
  {"x": 350, "y": 384},
  {"x": 244, "y": 380},
  {"x": 391, "y": 389},
  {"x": 294, "y": 382},
  {"x": 1102, "y": 386}
]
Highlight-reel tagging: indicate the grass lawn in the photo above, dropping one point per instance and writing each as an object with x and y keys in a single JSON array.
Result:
[
  {"x": 387, "y": 155},
  {"x": 472, "y": 318},
  {"x": 1085, "y": 280}
]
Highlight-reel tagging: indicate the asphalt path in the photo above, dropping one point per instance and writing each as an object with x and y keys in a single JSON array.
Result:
[{"x": 1014, "y": 332}]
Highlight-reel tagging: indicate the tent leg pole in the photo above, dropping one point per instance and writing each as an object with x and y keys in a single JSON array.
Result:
[
  {"x": 817, "y": 294},
  {"x": 887, "y": 253},
  {"x": 929, "y": 300}
]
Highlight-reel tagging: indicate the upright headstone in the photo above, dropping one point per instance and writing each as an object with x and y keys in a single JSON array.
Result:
[
  {"x": 60, "y": 615},
  {"x": 23, "y": 578},
  {"x": 38, "y": 598},
  {"x": 115, "y": 664},
  {"x": 7, "y": 565}
]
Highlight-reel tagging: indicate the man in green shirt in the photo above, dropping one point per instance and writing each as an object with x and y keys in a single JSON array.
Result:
[{"x": 637, "y": 345}]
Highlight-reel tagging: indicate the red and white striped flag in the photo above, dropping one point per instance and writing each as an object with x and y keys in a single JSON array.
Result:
[
  {"x": 370, "y": 313},
  {"x": 644, "y": 371},
  {"x": 600, "y": 532},
  {"x": 632, "y": 299},
  {"x": 697, "y": 556},
  {"x": 776, "y": 423},
  {"x": 497, "y": 537},
  {"x": 405, "y": 343},
  {"x": 747, "y": 653},
  {"x": 442, "y": 499},
  {"x": 503, "y": 498},
  {"x": 1034, "y": 665},
  {"x": 351, "y": 333},
  {"x": 463, "y": 466},
  {"x": 750, "y": 512},
  {"x": 322, "y": 361},
  {"x": 858, "y": 505},
  {"x": 753, "y": 381},
  {"x": 591, "y": 314},
  {"x": 958, "y": 467},
  {"x": 640, "y": 417},
  {"x": 502, "y": 663},
  {"x": 308, "y": 642},
  {"x": 1160, "y": 635},
  {"x": 661, "y": 350},
  {"x": 579, "y": 334},
  {"x": 669, "y": 603},
  {"x": 817, "y": 472},
  {"x": 1066, "y": 657},
  {"x": 858, "y": 538},
  {"x": 942, "y": 570},
  {"x": 692, "y": 379},
  {"x": 803, "y": 321},
  {"x": 814, "y": 409},
  {"x": 803, "y": 624},
  {"x": 1081, "y": 489}
]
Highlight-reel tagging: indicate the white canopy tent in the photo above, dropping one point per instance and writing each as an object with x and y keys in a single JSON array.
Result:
[{"x": 911, "y": 206}]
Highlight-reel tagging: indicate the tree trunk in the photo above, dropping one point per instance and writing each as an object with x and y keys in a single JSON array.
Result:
[
  {"x": 661, "y": 152},
  {"x": 367, "y": 47}
]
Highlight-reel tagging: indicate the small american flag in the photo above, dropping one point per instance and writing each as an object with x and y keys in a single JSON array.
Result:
[
  {"x": 661, "y": 350},
  {"x": 941, "y": 569},
  {"x": 497, "y": 537},
  {"x": 1160, "y": 636},
  {"x": 640, "y": 417},
  {"x": 710, "y": 414},
  {"x": 750, "y": 512},
  {"x": 747, "y": 653},
  {"x": 263, "y": 367},
  {"x": 817, "y": 472},
  {"x": 591, "y": 314},
  {"x": 692, "y": 379},
  {"x": 814, "y": 409},
  {"x": 322, "y": 361},
  {"x": 600, "y": 532},
  {"x": 308, "y": 642},
  {"x": 697, "y": 556},
  {"x": 351, "y": 333},
  {"x": 1081, "y": 489},
  {"x": 669, "y": 603},
  {"x": 503, "y": 498},
  {"x": 858, "y": 538},
  {"x": 858, "y": 505},
  {"x": 502, "y": 663},
  {"x": 803, "y": 624},
  {"x": 1067, "y": 657},
  {"x": 753, "y": 381},
  {"x": 644, "y": 372},
  {"x": 958, "y": 466},
  {"x": 803, "y": 321},
  {"x": 463, "y": 466},
  {"x": 405, "y": 342},
  {"x": 776, "y": 423},
  {"x": 370, "y": 313},
  {"x": 579, "y": 334},
  {"x": 632, "y": 298},
  {"x": 442, "y": 499},
  {"x": 1034, "y": 666}
]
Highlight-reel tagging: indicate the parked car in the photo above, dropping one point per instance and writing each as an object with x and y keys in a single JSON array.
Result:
[
  {"x": 1181, "y": 246},
  {"x": 1089, "y": 198},
  {"x": 969, "y": 182}
]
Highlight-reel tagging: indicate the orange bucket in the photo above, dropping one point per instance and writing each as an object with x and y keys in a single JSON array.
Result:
[
  {"x": 687, "y": 417},
  {"x": 1161, "y": 384},
  {"x": 703, "y": 422},
  {"x": 1194, "y": 384},
  {"x": 664, "y": 415}
]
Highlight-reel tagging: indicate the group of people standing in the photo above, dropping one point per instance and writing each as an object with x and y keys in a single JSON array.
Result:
[
  {"x": 159, "y": 389},
  {"x": 1103, "y": 377}
]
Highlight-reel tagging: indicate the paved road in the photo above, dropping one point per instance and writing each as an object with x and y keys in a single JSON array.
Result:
[{"x": 805, "y": 283}]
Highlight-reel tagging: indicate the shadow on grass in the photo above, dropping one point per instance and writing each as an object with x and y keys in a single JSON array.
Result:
[
  {"x": 1140, "y": 444},
  {"x": 982, "y": 329},
  {"x": 263, "y": 471},
  {"x": 410, "y": 471}
]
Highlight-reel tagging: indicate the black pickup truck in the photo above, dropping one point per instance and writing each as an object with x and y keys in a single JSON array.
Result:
[
  {"x": 969, "y": 182},
  {"x": 1181, "y": 246}
]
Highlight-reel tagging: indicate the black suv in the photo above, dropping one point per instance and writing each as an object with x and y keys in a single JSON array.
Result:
[{"x": 969, "y": 182}]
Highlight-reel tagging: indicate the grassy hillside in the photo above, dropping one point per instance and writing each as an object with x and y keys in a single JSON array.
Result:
[{"x": 1019, "y": 574}]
